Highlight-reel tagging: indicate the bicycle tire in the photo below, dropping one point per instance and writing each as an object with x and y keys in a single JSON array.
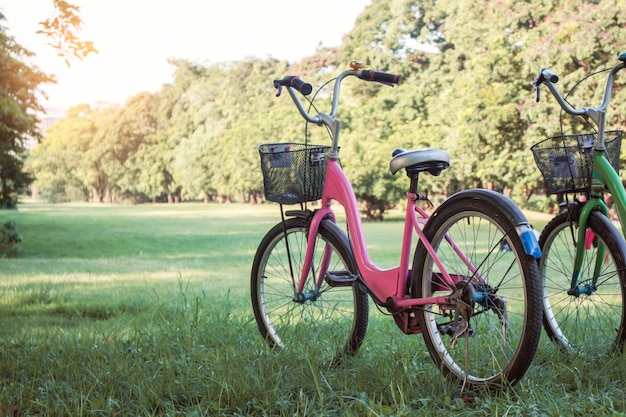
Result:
[
  {"x": 591, "y": 323},
  {"x": 495, "y": 351},
  {"x": 333, "y": 322}
]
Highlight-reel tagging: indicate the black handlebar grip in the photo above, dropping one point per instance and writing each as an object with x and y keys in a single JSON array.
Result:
[
  {"x": 381, "y": 77},
  {"x": 298, "y": 84},
  {"x": 550, "y": 75}
]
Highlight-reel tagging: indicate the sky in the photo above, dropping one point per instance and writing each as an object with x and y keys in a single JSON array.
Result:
[{"x": 136, "y": 37}]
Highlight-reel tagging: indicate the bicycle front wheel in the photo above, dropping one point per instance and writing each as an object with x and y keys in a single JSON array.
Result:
[
  {"x": 487, "y": 337},
  {"x": 329, "y": 316},
  {"x": 588, "y": 317}
]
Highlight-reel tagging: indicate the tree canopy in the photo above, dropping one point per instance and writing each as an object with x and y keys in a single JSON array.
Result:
[
  {"x": 19, "y": 85},
  {"x": 466, "y": 70},
  {"x": 20, "y": 92}
]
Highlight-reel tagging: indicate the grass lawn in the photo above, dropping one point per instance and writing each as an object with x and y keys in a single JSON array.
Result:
[{"x": 145, "y": 310}]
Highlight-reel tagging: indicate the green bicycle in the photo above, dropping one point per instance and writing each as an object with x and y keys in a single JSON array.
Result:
[{"x": 583, "y": 263}]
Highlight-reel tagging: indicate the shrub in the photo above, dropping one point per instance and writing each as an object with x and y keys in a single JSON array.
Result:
[{"x": 9, "y": 239}]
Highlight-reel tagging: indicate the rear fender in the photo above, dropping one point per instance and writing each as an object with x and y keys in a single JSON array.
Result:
[{"x": 506, "y": 208}]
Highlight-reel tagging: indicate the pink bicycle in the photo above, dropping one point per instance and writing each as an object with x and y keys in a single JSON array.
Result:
[{"x": 473, "y": 289}]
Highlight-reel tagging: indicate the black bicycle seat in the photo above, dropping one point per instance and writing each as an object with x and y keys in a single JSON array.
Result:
[{"x": 432, "y": 160}]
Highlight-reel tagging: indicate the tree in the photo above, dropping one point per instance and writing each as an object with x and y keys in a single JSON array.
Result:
[
  {"x": 225, "y": 113},
  {"x": 376, "y": 117},
  {"x": 61, "y": 161},
  {"x": 178, "y": 119},
  {"x": 19, "y": 85}
]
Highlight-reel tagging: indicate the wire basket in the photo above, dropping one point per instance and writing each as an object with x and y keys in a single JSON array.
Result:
[
  {"x": 293, "y": 172},
  {"x": 566, "y": 161}
]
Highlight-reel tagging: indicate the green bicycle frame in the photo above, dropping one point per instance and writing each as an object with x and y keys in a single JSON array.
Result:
[{"x": 604, "y": 176}]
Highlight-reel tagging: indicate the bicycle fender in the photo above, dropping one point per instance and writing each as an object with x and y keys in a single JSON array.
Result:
[
  {"x": 508, "y": 209},
  {"x": 343, "y": 237},
  {"x": 327, "y": 224}
]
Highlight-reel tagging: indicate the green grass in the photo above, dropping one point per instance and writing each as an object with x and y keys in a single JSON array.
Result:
[{"x": 145, "y": 310}]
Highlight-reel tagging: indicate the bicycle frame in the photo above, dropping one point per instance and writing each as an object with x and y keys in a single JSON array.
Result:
[
  {"x": 604, "y": 177},
  {"x": 387, "y": 286}
]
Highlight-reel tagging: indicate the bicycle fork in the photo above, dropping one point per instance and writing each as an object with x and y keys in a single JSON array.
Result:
[
  {"x": 309, "y": 270},
  {"x": 586, "y": 236}
]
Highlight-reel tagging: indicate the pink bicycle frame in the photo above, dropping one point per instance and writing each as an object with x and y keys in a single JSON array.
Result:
[{"x": 383, "y": 284}]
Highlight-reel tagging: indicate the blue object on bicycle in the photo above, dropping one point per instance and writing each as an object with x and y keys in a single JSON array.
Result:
[{"x": 529, "y": 241}]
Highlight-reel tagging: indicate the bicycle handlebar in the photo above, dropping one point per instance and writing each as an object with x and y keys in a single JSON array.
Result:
[
  {"x": 293, "y": 83},
  {"x": 550, "y": 78}
]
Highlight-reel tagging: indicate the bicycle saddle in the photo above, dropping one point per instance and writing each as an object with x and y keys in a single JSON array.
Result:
[{"x": 432, "y": 160}]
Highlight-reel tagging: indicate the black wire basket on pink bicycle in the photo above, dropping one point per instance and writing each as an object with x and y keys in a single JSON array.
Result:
[{"x": 293, "y": 172}]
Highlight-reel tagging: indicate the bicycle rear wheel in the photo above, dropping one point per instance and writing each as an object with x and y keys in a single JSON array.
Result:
[
  {"x": 329, "y": 318},
  {"x": 488, "y": 338},
  {"x": 591, "y": 321}
]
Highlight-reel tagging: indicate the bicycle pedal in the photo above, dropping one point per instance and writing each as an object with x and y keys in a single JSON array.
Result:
[{"x": 340, "y": 278}]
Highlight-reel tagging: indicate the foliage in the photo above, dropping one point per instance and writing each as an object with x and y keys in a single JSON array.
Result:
[
  {"x": 62, "y": 28},
  {"x": 9, "y": 239},
  {"x": 19, "y": 86},
  {"x": 466, "y": 70},
  {"x": 19, "y": 91}
]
